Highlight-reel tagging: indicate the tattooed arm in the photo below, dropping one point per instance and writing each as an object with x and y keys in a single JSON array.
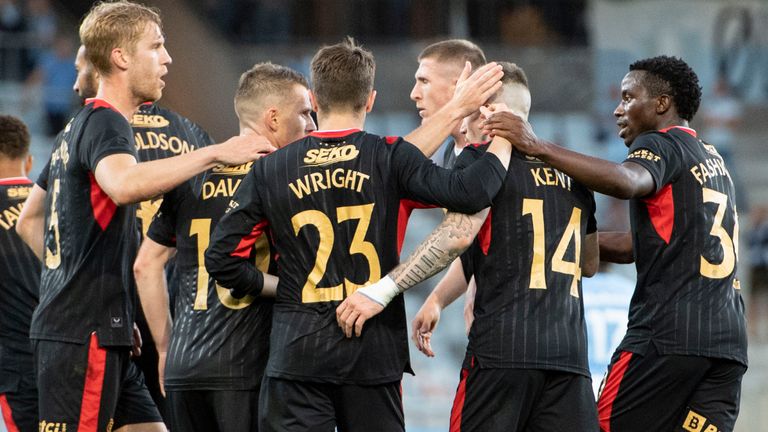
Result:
[{"x": 452, "y": 237}]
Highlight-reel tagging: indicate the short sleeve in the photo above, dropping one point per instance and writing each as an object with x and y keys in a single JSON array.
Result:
[
  {"x": 106, "y": 133},
  {"x": 658, "y": 154},
  {"x": 42, "y": 179},
  {"x": 163, "y": 227}
]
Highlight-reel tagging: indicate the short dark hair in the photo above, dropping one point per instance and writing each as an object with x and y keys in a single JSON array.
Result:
[
  {"x": 342, "y": 76},
  {"x": 672, "y": 76},
  {"x": 14, "y": 137},
  {"x": 262, "y": 81},
  {"x": 513, "y": 74},
  {"x": 457, "y": 51}
]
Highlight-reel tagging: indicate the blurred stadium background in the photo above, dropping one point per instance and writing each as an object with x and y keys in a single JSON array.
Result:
[{"x": 575, "y": 53}]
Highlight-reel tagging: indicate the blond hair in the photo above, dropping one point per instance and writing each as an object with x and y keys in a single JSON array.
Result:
[
  {"x": 114, "y": 25},
  {"x": 263, "y": 81}
]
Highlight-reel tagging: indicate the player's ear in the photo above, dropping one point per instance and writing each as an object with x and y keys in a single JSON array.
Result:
[
  {"x": 313, "y": 101},
  {"x": 663, "y": 103},
  {"x": 371, "y": 100},
  {"x": 272, "y": 119},
  {"x": 119, "y": 58},
  {"x": 26, "y": 166}
]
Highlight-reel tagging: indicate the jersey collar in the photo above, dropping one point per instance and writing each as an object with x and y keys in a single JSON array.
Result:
[
  {"x": 12, "y": 181},
  {"x": 333, "y": 133},
  {"x": 683, "y": 128}
]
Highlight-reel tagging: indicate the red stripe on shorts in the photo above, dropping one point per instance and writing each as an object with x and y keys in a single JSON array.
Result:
[
  {"x": 611, "y": 389},
  {"x": 7, "y": 415},
  {"x": 458, "y": 402},
  {"x": 94, "y": 383}
]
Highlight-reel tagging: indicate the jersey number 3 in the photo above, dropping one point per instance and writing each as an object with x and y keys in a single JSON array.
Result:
[{"x": 311, "y": 292}]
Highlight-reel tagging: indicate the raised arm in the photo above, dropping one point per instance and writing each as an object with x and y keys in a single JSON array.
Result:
[
  {"x": 454, "y": 235},
  {"x": 31, "y": 223},
  {"x": 472, "y": 90},
  {"x": 466, "y": 190},
  {"x": 126, "y": 181},
  {"x": 625, "y": 180}
]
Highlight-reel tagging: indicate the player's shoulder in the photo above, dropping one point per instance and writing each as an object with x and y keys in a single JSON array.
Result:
[{"x": 102, "y": 116}]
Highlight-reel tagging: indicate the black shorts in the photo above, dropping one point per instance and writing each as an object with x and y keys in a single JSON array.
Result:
[
  {"x": 90, "y": 388},
  {"x": 292, "y": 406},
  {"x": 531, "y": 400},
  {"x": 213, "y": 410},
  {"x": 654, "y": 392},
  {"x": 18, "y": 401}
]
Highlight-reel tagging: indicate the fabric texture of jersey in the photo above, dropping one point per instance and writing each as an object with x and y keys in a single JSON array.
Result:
[
  {"x": 687, "y": 298},
  {"x": 218, "y": 342},
  {"x": 331, "y": 202},
  {"x": 20, "y": 284},
  {"x": 528, "y": 309},
  {"x": 89, "y": 243}
]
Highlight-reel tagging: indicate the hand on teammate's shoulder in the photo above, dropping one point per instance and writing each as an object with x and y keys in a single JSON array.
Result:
[{"x": 244, "y": 148}]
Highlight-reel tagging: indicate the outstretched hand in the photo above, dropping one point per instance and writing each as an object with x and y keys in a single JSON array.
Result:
[
  {"x": 353, "y": 312},
  {"x": 474, "y": 89},
  {"x": 513, "y": 128}
]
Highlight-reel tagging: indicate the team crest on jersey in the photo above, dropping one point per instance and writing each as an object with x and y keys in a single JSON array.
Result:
[
  {"x": 233, "y": 170},
  {"x": 328, "y": 156},
  {"x": 710, "y": 149},
  {"x": 149, "y": 121}
]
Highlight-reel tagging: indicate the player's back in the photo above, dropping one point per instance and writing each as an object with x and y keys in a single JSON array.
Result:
[
  {"x": 527, "y": 264},
  {"x": 687, "y": 299},
  {"x": 332, "y": 207},
  {"x": 331, "y": 202},
  {"x": 218, "y": 342},
  {"x": 20, "y": 283}
]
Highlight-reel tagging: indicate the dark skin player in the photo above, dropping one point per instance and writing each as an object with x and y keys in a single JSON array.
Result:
[{"x": 636, "y": 113}]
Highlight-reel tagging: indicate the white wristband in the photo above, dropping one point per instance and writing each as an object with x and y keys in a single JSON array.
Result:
[{"x": 382, "y": 292}]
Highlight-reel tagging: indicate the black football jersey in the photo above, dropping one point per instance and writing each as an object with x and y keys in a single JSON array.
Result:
[
  {"x": 89, "y": 242},
  {"x": 20, "y": 284},
  {"x": 331, "y": 202},
  {"x": 526, "y": 260},
  {"x": 687, "y": 299},
  {"x": 160, "y": 133},
  {"x": 218, "y": 342}
]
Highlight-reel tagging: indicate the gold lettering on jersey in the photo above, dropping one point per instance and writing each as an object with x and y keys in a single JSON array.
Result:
[
  {"x": 19, "y": 192},
  {"x": 225, "y": 187},
  {"x": 328, "y": 156},
  {"x": 233, "y": 170},
  {"x": 46, "y": 426},
  {"x": 148, "y": 140},
  {"x": 338, "y": 178},
  {"x": 695, "y": 422},
  {"x": 710, "y": 168},
  {"x": 146, "y": 211},
  {"x": 61, "y": 153},
  {"x": 644, "y": 154},
  {"x": 149, "y": 121},
  {"x": 546, "y": 176},
  {"x": 10, "y": 216}
]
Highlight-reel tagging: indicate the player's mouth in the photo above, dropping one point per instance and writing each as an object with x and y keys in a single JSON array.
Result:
[
  {"x": 622, "y": 128},
  {"x": 422, "y": 112}
]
